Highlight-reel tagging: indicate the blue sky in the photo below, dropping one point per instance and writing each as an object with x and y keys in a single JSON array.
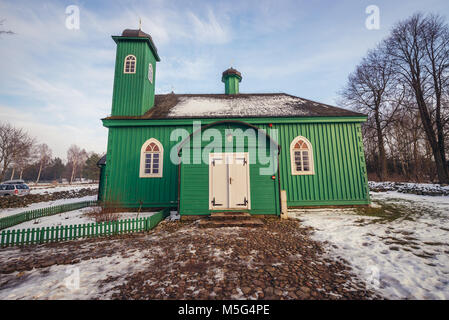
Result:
[{"x": 57, "y": 83}]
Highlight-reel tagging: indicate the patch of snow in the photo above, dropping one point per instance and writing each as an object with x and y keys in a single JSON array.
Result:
[
  {"x": 413, "y": 188},
  {"x": 263, "y": 105},
  {"x": 174, "y": 216},
  {"x": 73, "y": 217},
  {"x": 58, "y": 188},
  {"x": 404, "y": 258},
  {"x": 46, "y": 204},
  {"x": 61, "y": 281},
  {"x": 219, "y": 274}
]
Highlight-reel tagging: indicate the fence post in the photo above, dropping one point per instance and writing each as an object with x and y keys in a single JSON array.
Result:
[
  {"x": 32, "y": 236},
  {"x": 7, "y": 236},
  {"x": 70, "y": 232}
]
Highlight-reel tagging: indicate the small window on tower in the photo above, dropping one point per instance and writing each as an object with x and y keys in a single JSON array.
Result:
[
  {"x": 150, "y": 73},
  {"x": 130, "y": 64}
]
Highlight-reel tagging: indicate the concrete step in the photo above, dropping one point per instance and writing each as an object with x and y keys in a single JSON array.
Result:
[
  {"x": 220, "y": 216},
  {"x": 251, "y": 223}
]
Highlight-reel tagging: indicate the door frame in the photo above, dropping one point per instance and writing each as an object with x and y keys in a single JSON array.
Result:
[{"x": 224, "y": 156}]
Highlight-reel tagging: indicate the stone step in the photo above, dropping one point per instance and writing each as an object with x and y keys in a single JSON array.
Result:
[
  {"x": 251, "y": 223},
  {"x": 220, "y": 216}
]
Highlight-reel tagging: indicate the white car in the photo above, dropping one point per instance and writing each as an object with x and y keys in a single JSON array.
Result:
[{"x": 14, "y": 188}]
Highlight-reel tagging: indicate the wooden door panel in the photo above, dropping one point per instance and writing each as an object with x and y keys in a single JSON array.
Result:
[
  {"x": 218, "y": 195},
  {"x": 238, "y": 182},
  {"x": 229, "y": 181}
]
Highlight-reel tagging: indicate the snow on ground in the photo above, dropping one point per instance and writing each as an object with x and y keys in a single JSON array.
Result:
[
  {"x": 401, "y": 249},
  {"x": 40, "y": 205},
  {"x": 40, "y": 189},
  {"x": 408, "y": 187},
  {"x": 73, "y": 217},
  {"x": 174, "y": 216},
  {"x": 80, "y": 281}
]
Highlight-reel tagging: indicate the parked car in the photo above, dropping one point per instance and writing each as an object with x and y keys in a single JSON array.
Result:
[
  {"x": 14, "y": 188},
  {"x": 17, "y": 181}
]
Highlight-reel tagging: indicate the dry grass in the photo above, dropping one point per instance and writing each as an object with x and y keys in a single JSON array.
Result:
[{"x": 101, "y": 214}]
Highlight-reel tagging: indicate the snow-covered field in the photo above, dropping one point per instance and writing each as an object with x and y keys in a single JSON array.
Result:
[
  {"x": 40, "y": 189},
  {"x": 40, "y": 205},
  {"x": 428, "y": 189},
  {"x": 400, "y": 246},
  {"x": 74, "y": 217},
  {"x": 79, "y": 281}
]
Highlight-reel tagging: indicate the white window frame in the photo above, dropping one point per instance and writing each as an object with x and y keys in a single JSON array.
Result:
[
  {"x": 150, "y": 67},
  {"x": 135, "y": 64},
  {"x": 311, "y": 170},
  {"x": 143, "y": 152}
]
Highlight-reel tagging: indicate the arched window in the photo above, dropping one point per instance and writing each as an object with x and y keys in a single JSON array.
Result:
[
  {"x": 151, "y": 159},
  {"x": 130, "y": 64},
  {"x": 301, "y": 156},
  {"x": 150, "y": 73}
]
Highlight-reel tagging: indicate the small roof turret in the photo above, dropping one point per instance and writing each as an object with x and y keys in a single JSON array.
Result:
[
  {"x": 231, "y": 71},
  {"x": 231, "y": 79}
]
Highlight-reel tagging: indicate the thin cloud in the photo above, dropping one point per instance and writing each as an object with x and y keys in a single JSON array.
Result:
[{"x": 209, "y": 30}]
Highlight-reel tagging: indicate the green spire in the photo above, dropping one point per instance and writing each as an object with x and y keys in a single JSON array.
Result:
[{"x": 231, "y": 79}]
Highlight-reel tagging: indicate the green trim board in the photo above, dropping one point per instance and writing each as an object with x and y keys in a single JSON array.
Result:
[
  {"x": 118, "y": 39},
  {"x": 175, "y": 122}
]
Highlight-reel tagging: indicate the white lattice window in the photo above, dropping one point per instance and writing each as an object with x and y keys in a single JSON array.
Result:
[
  {"x": 301, "y": 157},
  {"x": 151, "y": 159},
  {"x": 130, "y": 64},
  {"x": 150, "y": 73}
]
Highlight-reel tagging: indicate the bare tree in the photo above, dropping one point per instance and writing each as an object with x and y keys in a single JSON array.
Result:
[
  {"x": 76, "y": 157},
  {"x": 43, "y": 153},
  {"x": 23, "y": 162},
  {"x": 14, "y": 143},
  {"x": 419, "y": 48},
  {"x": 371, "y": 89}
]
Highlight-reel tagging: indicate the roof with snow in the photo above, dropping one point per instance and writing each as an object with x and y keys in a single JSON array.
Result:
[{"x": 176, "y": 106}]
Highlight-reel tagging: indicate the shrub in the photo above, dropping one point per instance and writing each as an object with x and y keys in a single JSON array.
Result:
[{"x": 103, "y": 214}]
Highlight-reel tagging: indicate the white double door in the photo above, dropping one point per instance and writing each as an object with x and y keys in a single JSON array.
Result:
[{"x": 229, "y": 181}]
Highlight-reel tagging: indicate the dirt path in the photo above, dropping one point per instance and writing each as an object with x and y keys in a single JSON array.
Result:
[{"x": 181, "y": 261}]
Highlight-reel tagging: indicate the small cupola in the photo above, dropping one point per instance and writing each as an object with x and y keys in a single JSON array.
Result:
[{"x": 231, "y": 79}]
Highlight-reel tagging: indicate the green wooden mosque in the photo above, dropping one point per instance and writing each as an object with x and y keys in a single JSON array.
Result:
[{"x": 202, "y": 153}]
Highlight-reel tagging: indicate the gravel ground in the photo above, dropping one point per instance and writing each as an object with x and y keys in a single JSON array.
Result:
[
  {"x": 24, "y": 201},
  {"x": 178, "y": 260}
]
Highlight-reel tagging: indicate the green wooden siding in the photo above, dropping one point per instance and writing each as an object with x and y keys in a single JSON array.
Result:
[
  {"x": 339, "y": 179},
  {"x": 340, "y": 171},
  {"x": 101, "y": 183},
  {"x": 231, "y": 84},
  {"x": 133, "y": 93},
  {"x": 124, "y": 186},
  {"x": 194, "y": 187}
]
